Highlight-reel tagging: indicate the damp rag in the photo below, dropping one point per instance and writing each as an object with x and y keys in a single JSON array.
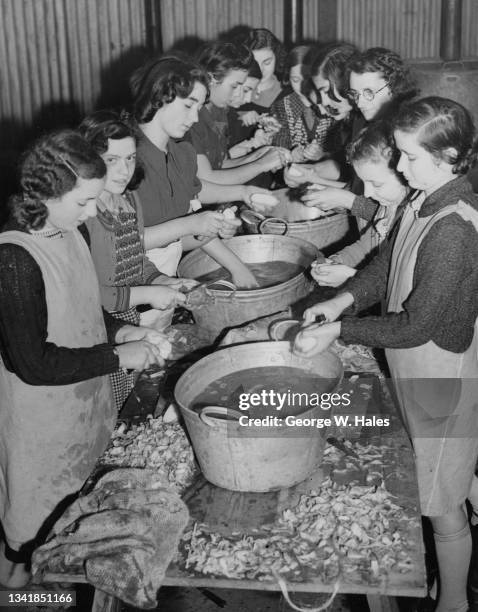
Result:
[{"x": 121, "y": 536}]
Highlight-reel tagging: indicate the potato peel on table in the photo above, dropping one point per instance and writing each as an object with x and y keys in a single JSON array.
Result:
[
  {"x": 355, "y": 532},
  {"x": 154, "y": 444}
]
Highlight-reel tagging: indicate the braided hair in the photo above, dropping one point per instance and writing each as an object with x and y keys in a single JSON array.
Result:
[{"x": 49, "y": 170}]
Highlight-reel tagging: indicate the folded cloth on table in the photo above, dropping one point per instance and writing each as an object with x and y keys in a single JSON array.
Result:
[{"x": 121, "y": 536}]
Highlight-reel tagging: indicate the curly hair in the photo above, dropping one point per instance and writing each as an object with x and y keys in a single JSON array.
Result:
[
  {"x": 374, "y": 143},
  {"x": 441, "y": 125},
  {"x": 218, "y": 58},
  {"x": 261, "y": 38},
  {"x": 162, "y": 80},
  {"x": 390, "y": 65},
  {"x": 49, "y": 170},
  {"x": 330, "y": 62},
  {"x": 104, "y": 125}
]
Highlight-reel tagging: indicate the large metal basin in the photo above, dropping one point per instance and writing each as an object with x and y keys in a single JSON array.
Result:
[
  {"x": 322, "y": 232},
  {"x": 243, "y": 458},
  {"x": 229, "y": 309}
]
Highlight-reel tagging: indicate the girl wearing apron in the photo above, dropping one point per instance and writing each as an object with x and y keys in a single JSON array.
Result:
[
  {"x": 57, "y": 347},
  {"x": 428, "y": 277},
  {"x": 372, "y": 154}
]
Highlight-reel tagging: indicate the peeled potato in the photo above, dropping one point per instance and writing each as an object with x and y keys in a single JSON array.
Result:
[
  {"x": 229, "y": 214},
  {"x": 303, "y": 343},
  {"x": 312, "y": 212},
  {"x": 293, "y": 171},
  {"x": 264, "y": 198}
]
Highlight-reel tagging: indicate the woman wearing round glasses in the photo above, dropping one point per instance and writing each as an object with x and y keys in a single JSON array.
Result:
[{"x": 379, "y": 82}]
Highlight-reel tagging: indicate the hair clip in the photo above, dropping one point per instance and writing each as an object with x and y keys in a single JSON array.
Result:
[{"x": 68, "y": 165}]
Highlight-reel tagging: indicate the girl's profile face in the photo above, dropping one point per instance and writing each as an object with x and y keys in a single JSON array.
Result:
[
  {"x": 247, "y": 91},
  {"x": 381, "y": 183},
  {"x": 421, "y": 169},
  {"x": 267, "y": 62},
  {"x": 338, "y": 109},
  {"x": 370, "y": 85},
  {"x": 120, "y": 160},
  {"x": 177, "y": 117},
  {"x": 73, "y": 208},
  {"x": 296, "y": 78},
  {"x": 228, "y": 90}
]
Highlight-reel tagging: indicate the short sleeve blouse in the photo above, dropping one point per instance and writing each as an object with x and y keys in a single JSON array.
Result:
[{"x": 170, "y": 180}]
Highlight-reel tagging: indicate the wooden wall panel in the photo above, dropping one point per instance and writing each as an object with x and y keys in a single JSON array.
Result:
[
  {"x": 410, "y": 27},
  {"x": 60, "y": 51},
  {"x": 205, "y": 19},
  {"x": 469, "y": 46}
]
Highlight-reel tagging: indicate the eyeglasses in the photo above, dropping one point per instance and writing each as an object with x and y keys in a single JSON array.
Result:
[{"x": 367, "y": 94}]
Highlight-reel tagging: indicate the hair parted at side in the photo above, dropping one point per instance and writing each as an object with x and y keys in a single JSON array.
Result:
[
  {"x": 443, "y": 127},
  {"x": 390, "y": 65},
  {"x": 104, "y": 125},
  {"x": 330, "y": 62},
  {"x": 160, "y": 81},
  {"x": 374, "y": 143},
  {"x": 218, "y": 58},
  {"x": 50, "y": 169}
]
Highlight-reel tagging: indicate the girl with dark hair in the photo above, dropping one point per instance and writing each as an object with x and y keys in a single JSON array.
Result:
[
  {"x": 326, "y": 89},
  {"x": 379, "y": 82},
  {"x": 56, "y": 347},
  {"x": 239, "y": 144},
  {"x": 373, "y": 157},
  {"x": 168, "y": 95},
  {"x": 269, "y": 53},
  {"x": 117, "y": 236},
  {"x": 227, "y": 66},
  {"x": 303, "y": 130},
  {"x": 329, "y": 79},
  {"x": 428, "y": 279}
]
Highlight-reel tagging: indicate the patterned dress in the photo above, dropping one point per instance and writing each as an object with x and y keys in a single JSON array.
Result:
[
  {"x": 300, "y": 125},
  {"x": 118, "y": 252}
]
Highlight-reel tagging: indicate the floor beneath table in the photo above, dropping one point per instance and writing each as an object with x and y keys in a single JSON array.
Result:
[{"x": 181, "y": 599}]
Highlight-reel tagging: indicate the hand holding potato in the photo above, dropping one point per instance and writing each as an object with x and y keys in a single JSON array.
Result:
[{"x": 331, "y": 274}]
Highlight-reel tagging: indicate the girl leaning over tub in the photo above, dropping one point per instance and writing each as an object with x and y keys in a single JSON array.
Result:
[
  {"x": 168, "y": 95},
  {"x": 57, "y": 347},
  {"x": 428, "y": 279}
]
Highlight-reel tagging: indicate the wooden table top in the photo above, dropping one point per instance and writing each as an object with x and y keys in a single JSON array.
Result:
[{"x": 230, "y": 513}]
